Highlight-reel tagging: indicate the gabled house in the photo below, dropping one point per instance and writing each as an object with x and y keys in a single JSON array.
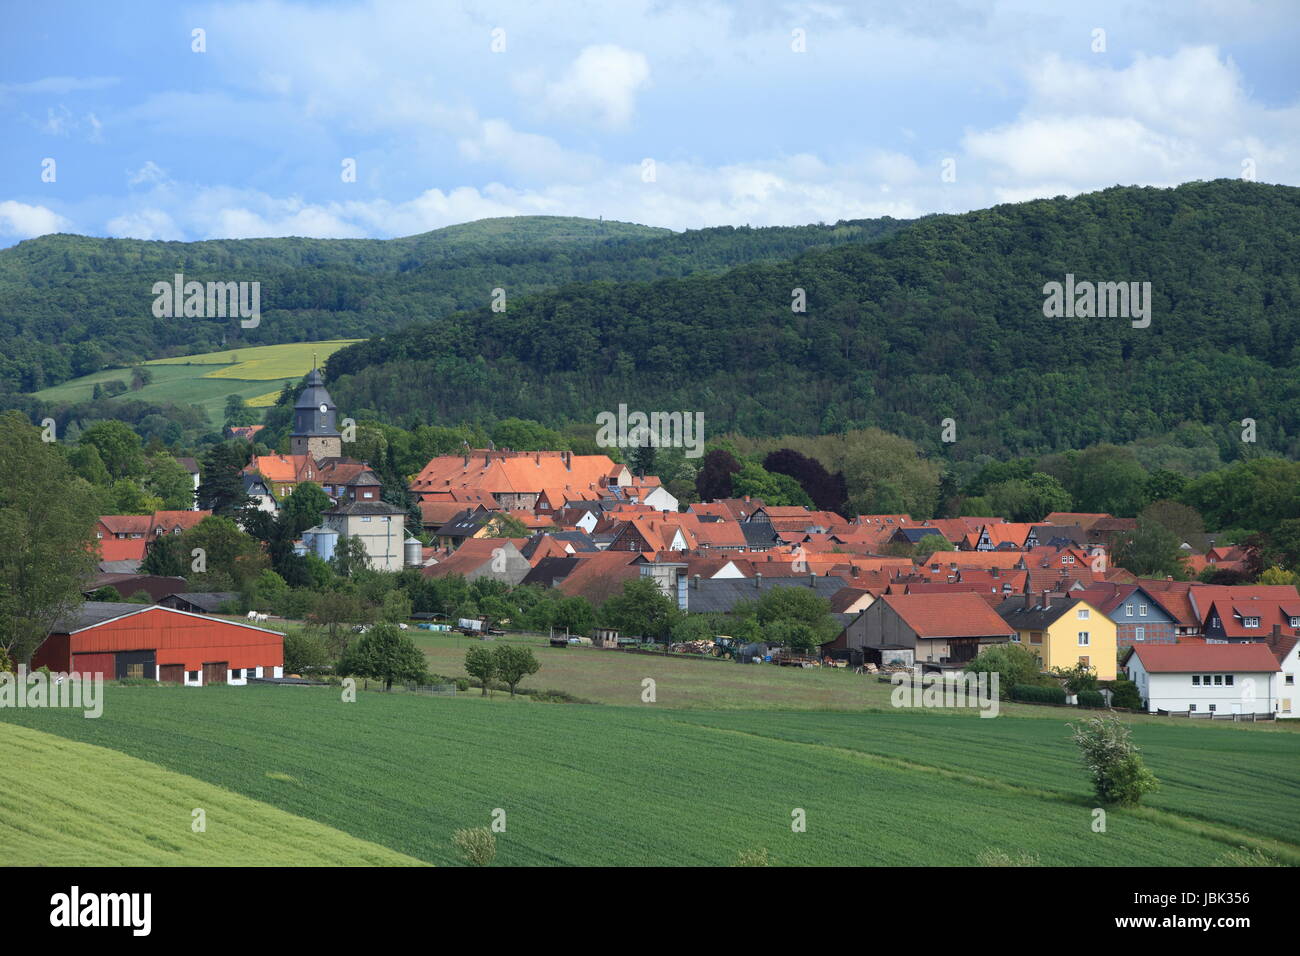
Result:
[
  {"x": 1063, "y": 630},
  {"x": 1205, "y": 678}
]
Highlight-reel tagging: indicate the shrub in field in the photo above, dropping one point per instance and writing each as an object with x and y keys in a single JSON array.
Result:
[
  {"x": 1003, "y": 858},
  {"x": 753, "y": 858},
  {"x": 1091, "y": 698},
  {"x": 1078, "y": 679},
  {"x": 462, "y": 684},
  {"x": 1119, "y": 775},
  {"x": 477, "y": 846},
  {"x": 1038, "y": 695}
]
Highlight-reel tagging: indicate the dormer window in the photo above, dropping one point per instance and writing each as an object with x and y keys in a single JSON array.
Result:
[{"x": 1250, "y": 622}]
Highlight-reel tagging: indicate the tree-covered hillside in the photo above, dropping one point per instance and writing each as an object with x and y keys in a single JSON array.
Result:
[
  {"x": 70, "y": 305},
  {"x": 943, "y": 319}
]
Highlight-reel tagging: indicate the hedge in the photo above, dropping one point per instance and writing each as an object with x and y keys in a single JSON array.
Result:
[
  {"x": 1038, "y": 695},
  {"x": 1091, "y": 698}
]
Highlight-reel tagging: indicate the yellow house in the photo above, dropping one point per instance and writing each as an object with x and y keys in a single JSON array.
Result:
[{"x": 1062, "y": 631}]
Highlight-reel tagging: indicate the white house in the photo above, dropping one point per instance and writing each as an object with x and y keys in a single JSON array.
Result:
[
  {"x": 1200, "y": 678},
  {"x": 1286, "y": 650}
]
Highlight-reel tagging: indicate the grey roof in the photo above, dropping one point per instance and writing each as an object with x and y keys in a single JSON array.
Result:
[
  {"x": 94, "y": 612},
  {"x": 1036, "y": 617},
  {"x": 550, "y": 570},
  {"x": 129, "y": 566},
  {"x": 758, "y": 533},
  {"x": 365, "y": 508},
  {"x": 916, "y": 534},
  {"x": 315, "y": 393},
  {"x": 465, "y": 522},
  {"x": 721, "y": 595},
  {"x": 208, "y": 600}
]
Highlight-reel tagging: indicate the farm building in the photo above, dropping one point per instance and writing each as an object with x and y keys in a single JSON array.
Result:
[
  {"x": 198, "y": 602},
  {"x": 940, "y": 630},
  {"x": 160, "y": 643}
]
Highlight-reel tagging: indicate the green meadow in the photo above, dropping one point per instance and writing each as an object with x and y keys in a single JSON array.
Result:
[
  {"x": 653, "y": 784},
  {"x": 255, "y": 372}
]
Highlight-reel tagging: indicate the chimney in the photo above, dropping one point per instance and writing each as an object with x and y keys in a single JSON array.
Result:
[
  {"x": 695, "y": 582},
  {"x": 567, "y": 457},
  {"x": 1277, "y": 633},
  {"x": 466, "y": 459},
  {"x": 758, "y": 580},
  {"x": 993, "y": 572},
  {"x": 812, "y": 580},
  {"x": 853, "y": 570},
  {"x": 1029, "y": 599},
  {"x": 1047, "y": 598}
]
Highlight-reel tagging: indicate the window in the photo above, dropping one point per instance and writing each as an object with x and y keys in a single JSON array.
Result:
[
  {"x": 1191, "y": 707},
  {"x": 1083, "y": 614},
  {"x": 1290, "y": 680},
  {"x": 1218, "y": 680},
  {"x": 366, "y": 518},
  {"x": 1295, "y": 622},
  {"x": 191, "y": 675},
  {"x": 1035, "y": 637},
  {"x": 1196, "y": 680},
  {"x": 1250, "y": 622},
  {"x": 1142, "y": 610},
  {"x": 1128, "y": 610},
  {"x": 1140, "y": 634},
  {"x": 1214, "y": 707},
  {"x": 237, "y": 673},
  {"x": 1083, "y": 639},
  {"x": 1085, "y": 660},
  {"x": 1015, "y": 638}
]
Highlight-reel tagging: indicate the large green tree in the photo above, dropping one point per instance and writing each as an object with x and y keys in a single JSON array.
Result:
[{"x": 47, "y": 525}]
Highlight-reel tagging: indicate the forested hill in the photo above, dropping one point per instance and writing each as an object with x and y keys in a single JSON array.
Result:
[
  {"x": 942, "y": 319},
  {"x": 71, "y": 304}
]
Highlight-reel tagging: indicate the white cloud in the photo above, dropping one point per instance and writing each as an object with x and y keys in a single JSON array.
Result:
[
  {"x": 599, "y": 87},
  {"x": 24, "y": 221},
  {"x": 145, "y": 224}
]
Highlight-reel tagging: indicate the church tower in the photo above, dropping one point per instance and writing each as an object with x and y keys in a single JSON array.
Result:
[{"x": 314, "y": 430}]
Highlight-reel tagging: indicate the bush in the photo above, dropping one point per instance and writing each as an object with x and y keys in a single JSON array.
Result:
[
  {"x": 753, "y": 858},
  {"x": 303, "y": 651},
  {"x": 1091, "y": 698},
  {"x": 462, "y": 684},
  {"x": 1003, "y": 858},
  {"x": 477, "y": 846},
  {"x": 1038, "y": 695},
  {"x": 1119, "y": 775},
  {"x": 1014, "y": 664},
  {"x": 1125, "y": 695}
]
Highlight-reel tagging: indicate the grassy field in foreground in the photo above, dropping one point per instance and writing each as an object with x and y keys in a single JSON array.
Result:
[
  {"x": 64, "y": 803},
  {"x": 590, "y": 784},
  {"x": 614, "y": 677},
  {"x": 207, "y": 379}
]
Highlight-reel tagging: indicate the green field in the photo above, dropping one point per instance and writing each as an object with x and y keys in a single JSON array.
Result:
[
  {"x": 64, "y": 803},
  {"x": 652, "y": 784},
  {"x": 208, "y": 379}
]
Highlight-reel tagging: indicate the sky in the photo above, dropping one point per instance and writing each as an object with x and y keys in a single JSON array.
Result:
[{"x": 384, "y": 118}]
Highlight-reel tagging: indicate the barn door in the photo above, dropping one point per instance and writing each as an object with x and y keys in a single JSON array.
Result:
[
  {"x": 171, "y": 673},
  {"x": 134, "y": 664},
  {"x": 215, "y": 673}
]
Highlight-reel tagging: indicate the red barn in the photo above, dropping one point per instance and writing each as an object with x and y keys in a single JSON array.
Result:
[{"x": 160, "y": 643}]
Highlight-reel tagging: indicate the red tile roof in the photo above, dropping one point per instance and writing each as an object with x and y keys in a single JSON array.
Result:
[
  {"x": 1186, "y": 658},
  {"x": 948, "y": 615}
]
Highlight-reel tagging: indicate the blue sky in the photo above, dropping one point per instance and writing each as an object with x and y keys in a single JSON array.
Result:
[{"x": 153, "y": 140}]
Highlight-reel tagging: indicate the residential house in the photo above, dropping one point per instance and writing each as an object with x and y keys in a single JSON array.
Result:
[
  {"x": 941, "y": 630},
  {"x": 1062, "y": 631},
  {"x": 1205, "y": 678}
]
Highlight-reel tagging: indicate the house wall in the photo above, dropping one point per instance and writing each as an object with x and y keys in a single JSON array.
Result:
[
  {"x": 1061, "y": 646},
  {"x": 1287, "y": 686},
  {"x": 1176, "y": 692},
  {"x": 383, "y": 537}
]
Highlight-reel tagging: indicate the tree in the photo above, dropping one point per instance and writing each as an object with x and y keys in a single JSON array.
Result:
[
  {"x": 796, "y": 616},
  {"x": 641, "y": 609},
  {"x": 1151, "y": 550},
  {"x": 928, "y": 545},
  {"x": 396, "y": 607},
  {"x": 47, "y": 529},
  {"x": 238, "y": 412},
  {"x": 1183, "y": 522},
  {"x": 231, "y": 557},
  {"x": 508, "y": 526},
  {"x": 1119, "y": 775},
  {"x": 1079, "y": 678},
  {"x": 167, "y": 479},
  {"x": 335, "y": 612},
  {"x": 885, "y": 474},
  {"x": 166, "y": 556},
  {"x": 304, "y": 507},
  {"x": 350, "y": 556},
  {"x": 222, "y": 487},
  {"x": 119, "y": 448},
  {"x": 384, "y": 653},
  {"x": 1013, "y": 663},
  {"x": 773, "y": 489},
  {"x": 826, "y": 491},
  {"x": 514, "y": 662},
  {"x": 481, "y": 664},
  {"x": 1029, "y": 499},
  {"x": 713, "y": 481},
  {"x": 1108, "y": 479}
]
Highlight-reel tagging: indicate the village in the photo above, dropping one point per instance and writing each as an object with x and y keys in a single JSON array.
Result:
[{"x": 875, "y": 593}]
